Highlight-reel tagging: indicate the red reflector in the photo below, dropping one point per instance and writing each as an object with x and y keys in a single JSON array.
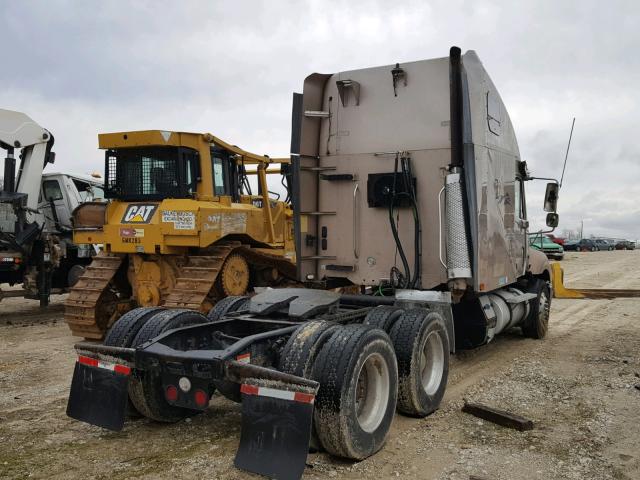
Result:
[
  {"x": 303, "y": 397},
  {"x": 249, "y": 389},
  {"x": 201, "y": 398},
  {"x": 171, "y": 393},
  {"x": 121, "y": 369},
  {"x": 93, "y": 362},
  {"x": 275, "y": 393}
]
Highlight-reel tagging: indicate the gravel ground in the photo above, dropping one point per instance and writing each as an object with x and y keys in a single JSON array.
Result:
[{"x": 578, "y": 386}]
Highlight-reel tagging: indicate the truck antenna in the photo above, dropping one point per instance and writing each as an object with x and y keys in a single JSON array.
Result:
[{"x": 566, "y": 155}]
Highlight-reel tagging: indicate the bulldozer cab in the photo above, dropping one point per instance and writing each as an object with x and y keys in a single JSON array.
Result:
[
  {"x": 157, "y": 172},
  {"x": 154, "y": 165}
]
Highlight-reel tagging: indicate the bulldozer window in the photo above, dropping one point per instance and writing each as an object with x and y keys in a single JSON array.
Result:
[
  {"x": 191, "y": 170},
  {"x": 220, "y": 167},
  {"x": 150, "y": 173},
  {"x": 218, "y": 176}
]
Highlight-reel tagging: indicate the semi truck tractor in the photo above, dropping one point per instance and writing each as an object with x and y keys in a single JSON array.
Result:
[{"x": 410, "y": 227}]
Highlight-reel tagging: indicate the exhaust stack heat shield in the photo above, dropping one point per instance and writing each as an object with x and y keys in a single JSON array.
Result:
[{"x": 458, "y": 259}]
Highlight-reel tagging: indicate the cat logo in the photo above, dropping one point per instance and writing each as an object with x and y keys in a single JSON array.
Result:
[{"x": 139, "y": 213}]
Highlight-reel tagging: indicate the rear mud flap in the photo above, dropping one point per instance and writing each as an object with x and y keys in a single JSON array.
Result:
[
  {"x": 99, "y": 393},
  {"x": 276, "y": 428}
]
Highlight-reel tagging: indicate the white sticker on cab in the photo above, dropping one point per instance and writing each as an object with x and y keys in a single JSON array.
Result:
[{"x": 181, "y": 220}]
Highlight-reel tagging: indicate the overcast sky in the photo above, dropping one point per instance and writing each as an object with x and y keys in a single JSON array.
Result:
[{"x": 229, "y": 68}]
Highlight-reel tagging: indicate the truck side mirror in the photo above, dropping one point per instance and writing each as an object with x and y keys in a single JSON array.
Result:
[
  {"x": 551, "y": 197},
  {"x": 553, "y": 219}
]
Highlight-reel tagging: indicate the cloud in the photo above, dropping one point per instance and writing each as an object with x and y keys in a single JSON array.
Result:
[{"x": 230, "y": 68}]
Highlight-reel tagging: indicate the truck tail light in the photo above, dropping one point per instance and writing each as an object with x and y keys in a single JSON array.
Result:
[
  {"x": 171, "y": 393},
  {"x": 201, "y": 398}
]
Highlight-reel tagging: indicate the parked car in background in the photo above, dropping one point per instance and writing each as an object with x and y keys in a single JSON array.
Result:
[
  {"x": 625, "y": 245},
  {"x": 604, "y": 244},
  {"x": 583, "y": 245},
  {"x": 553, "y": 238},
  {"x": 543, "y": 243}
]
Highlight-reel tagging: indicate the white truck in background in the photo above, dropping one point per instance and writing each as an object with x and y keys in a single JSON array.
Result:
[{"x": 36, "y": 248}]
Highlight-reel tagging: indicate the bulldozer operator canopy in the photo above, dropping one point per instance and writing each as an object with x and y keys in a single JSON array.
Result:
[{"x": 157, "y": 164}]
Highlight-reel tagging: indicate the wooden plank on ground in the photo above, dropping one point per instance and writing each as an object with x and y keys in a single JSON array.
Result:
[{"x": 500, "y": 417}]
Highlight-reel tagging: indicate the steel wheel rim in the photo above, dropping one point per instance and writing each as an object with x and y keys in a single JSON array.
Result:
[
  {"x": 372, "y": 392},
  {"x": 543, "y": 309},
  {"x": 432, "y": 363}
]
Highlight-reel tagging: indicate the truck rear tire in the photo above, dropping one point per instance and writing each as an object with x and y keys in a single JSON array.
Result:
[
  {"x": 421, "y": 343},
  {"x": 355, "y": 405},
  {"x": 122, "y": 333},
  {"x": 227, "y": 305},
  {"x": 145, "y": 388},
  {"x": 383, "y": 317},
  {"x": 303, "y": 346},
  {"x": 536, "y": 324},
  {"x": 125, "y": 329},
  {"x": 300, "y": 353}
]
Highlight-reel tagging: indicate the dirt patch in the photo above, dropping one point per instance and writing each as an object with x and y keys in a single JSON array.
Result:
[{"x": 577, "y": 386}]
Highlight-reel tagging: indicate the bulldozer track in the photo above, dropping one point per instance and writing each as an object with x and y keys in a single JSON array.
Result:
[
  {"x": 81, "y": 305},
  {"x": 198, "y": 277},
  {"x": 195, "y": 282}
]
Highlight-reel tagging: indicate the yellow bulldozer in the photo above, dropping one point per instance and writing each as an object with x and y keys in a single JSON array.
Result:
[{"x": 181, "y": 229}]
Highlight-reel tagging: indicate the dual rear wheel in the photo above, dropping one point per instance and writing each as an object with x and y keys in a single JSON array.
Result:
[
  {"x": 140, "y": 325},
  {"x": 396, "y": 359}
]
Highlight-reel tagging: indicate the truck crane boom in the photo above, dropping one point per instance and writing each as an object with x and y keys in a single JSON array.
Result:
[
  {"x": 19, "y": 131},
  {"x": 35, "y": 237}
]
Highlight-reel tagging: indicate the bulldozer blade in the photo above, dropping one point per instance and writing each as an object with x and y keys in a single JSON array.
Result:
[
  {"x": 275, "y": 432},
  {"x": 560, "y": 291},
  {"x": 98, "y": 394}
]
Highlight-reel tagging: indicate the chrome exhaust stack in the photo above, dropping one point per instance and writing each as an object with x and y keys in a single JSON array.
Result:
[{"x": 458, "y": 262}]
